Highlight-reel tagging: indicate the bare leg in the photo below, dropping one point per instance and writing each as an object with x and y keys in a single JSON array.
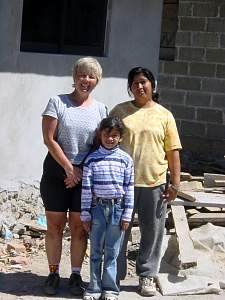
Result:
[
  {"x": 78, "y": 240},
  {"x": 53, "y": 241}
]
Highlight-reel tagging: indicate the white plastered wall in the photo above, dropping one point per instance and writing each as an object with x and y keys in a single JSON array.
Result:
[{"x": 27, "y": 80}]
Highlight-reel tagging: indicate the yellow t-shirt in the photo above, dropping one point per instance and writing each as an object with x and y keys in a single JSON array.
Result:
[{"x": 149, "y": 134}]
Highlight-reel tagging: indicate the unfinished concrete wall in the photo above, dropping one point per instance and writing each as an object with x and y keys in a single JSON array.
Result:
[
  {"x": 28, "y": 80},
  {"x": 193, "y": 85}
]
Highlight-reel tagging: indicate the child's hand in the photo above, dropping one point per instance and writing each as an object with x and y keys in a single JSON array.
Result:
[
  {"x": 124, "y": 225},
  {"x": 87, "y": 226}
]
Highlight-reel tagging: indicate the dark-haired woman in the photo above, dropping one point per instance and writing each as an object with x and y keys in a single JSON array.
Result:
[{"x": 152, "y": 140}]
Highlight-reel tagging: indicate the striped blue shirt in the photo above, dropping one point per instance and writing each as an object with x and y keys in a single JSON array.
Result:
[{"x": 108, "y": 174}]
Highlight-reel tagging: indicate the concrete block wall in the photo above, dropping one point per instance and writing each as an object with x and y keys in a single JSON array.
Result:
[{"x": 193, "y": 85}]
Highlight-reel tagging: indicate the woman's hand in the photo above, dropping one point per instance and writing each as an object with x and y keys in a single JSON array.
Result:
[
  {"x": 169, "y": 194},
  {"x": 87, "y": 226},
  {"x": 124, "y": 225},
  {"x": 74, "y": 176},
  {"x": 49, "y": 128}
]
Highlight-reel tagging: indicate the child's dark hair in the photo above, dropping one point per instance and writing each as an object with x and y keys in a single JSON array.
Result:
[
  {"x": 111, "y": 123},
  {"x": 148, "y": 74}
]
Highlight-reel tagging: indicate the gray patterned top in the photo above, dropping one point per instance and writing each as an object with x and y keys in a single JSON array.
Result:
[{"x": 76, "y": 125}]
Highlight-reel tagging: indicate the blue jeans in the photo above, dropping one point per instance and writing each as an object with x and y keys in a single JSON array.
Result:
[{"x": 105, "y": 239}]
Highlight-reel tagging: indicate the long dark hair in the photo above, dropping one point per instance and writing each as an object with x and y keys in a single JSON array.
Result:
[{"x": 148, "y": 74}]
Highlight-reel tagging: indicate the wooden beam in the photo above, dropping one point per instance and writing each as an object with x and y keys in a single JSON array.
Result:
[
  {"x": 187, "y": 252},
  {"x": 186, "y": 195},
  {"x": 203, "y": 218},
  {"x": 217, "y": 190},
  {"x": 219, "y": 182},
  {"x": 185, "y": 176},
  {"x": 191, "y": 186},
  {"x": 209, "y": 179},
  {"x": 202, "y": 200}
]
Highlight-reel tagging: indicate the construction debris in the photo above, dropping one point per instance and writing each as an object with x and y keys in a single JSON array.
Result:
[
  {"x": 214, "y": 180},
  {"x": 187, "y": 255},
  {"x": 23, "y": 225}
]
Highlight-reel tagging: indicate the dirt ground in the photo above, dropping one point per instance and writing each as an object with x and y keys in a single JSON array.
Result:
[{"x": 27, "y": 283}]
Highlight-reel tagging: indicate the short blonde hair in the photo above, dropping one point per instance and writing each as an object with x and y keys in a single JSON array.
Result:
[{"x": 88, "y": 64}]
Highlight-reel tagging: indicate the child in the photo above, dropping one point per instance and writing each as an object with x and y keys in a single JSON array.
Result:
[{"x": 106, "y": 207}]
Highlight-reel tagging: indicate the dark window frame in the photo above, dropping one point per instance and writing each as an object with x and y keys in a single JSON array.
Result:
[{"x": 60, "y": 46}]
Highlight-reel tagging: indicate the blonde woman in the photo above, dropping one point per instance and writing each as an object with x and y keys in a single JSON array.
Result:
[{"x": 68, "y": 125}]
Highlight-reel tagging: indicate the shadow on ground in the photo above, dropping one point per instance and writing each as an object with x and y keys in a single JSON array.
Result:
[
  {"x": 128, "y": 288},
  {"x": 30, "y": 284}
]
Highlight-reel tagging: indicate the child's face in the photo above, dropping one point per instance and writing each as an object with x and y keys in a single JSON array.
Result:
[{"x": 110, "y": 139}]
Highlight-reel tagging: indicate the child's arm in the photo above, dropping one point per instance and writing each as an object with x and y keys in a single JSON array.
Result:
[
  {"x": 129, "y": 195},
  {"x": 86, "y": 196}
]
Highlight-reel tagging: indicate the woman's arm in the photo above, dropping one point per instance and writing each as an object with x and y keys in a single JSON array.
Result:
[
  {"x": 49, "y": 126},
  {"x": 173, "y": 158}
]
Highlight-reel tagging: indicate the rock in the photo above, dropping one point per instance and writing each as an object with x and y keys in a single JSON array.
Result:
[
  {"x": 2, "y": 250},
  {"x": 33, "y": 245},
  {"x": 2, "y": 267},
  {"x": 13, "y": 253},
  {"x": 135, "y": 235},
  {"x": 23, "y": 261},
  {"x": 19, "y": 229},
  {"x": 18, "y": 267},
  {"x": 16, "y": 236},
  {"x": 3, "y": 197},
  {"x": 18, "y": 247},
  {"x": 40, "y": 243},
  {"x": 4, "y": 260}
]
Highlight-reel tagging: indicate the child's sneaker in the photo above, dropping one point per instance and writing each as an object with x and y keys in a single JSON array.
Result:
[
  {"x": 147, "y": 286},
  {"x": 52, "y": 284}
]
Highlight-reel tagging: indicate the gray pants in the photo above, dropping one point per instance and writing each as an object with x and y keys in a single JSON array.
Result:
[{"x": 151, "y": 214}]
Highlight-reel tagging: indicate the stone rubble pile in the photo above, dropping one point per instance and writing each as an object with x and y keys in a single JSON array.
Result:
[
  {"x": 20, "y": 234},
  {"x": 23, "y": 227},
  {"x": 20, "y": 204}
]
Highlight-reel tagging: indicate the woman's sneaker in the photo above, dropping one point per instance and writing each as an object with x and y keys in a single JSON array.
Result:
[
  {"x": 147, "y": 286},
  {"x": 51, "y": 285},
  {"x": 76, "y": 285}
]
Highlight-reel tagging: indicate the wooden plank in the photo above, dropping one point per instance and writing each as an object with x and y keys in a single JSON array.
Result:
[
  {"x": 209, "y": 179},
  {"x": 191, "y": 186},
  {"x": 32, "y": 225},
  {"x": 187, "y": 252},
  {"x": 186, "y": 196},
  {"x": 185, "y": 176},
  {"x": 191, "y": 211},
  {"x": 202, "y": 200},
  {"x": 219, "y": 182},
  {"x": 203, "y": 218},
  {"x": 198, "y": 178},
  {"x": 219, "y": 189}
]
